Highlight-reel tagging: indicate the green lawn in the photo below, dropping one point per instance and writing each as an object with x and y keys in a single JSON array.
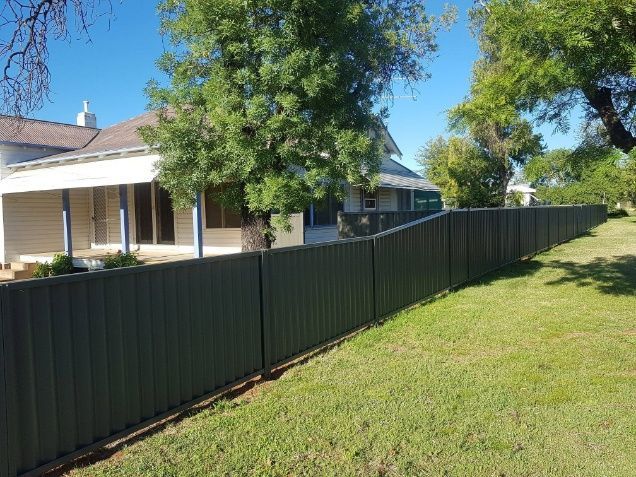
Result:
[{"x": 531, "y": 372}]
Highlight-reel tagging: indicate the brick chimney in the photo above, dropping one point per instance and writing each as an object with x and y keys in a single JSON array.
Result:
[{"x": 86, "y": 118}]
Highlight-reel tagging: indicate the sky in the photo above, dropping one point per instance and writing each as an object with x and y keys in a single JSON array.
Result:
[{"x": 112, "y": 69}]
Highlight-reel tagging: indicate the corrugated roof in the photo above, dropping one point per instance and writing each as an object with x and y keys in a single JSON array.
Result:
[
  {"x": 44, "y": 133},
  {"x": 393, "y": 174},
  {"x": 121, "y": 136}
]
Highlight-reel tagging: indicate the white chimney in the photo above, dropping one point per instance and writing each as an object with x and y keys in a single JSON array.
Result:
[{"x": 86, "y": 118}]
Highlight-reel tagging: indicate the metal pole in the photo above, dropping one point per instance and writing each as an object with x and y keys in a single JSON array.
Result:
[
  {"x": 66, "y": 219},
  {"x": 197, "y": 226},
  {"x": 123, "y": 218}
]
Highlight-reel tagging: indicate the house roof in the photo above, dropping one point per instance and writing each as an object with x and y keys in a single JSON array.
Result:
[
  {"x": 124, "y": 137},
  {"x": 121, "y": 137},
  {"x": 395, "y": 175},
  {"x": 44, "y": 133}
]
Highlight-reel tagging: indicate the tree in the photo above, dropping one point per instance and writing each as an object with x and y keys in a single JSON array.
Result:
[
  {"x": 25, "y": 30},
  {"x": 589, "y": 175},
  {"x": 462, "y": 170},
  {"x": 271, "y": 102},
  {"x": 545, "y": 57},
  {"x": 506, "y": 140}
]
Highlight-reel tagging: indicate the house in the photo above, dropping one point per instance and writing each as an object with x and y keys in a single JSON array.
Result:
[
  {"x": 527, "y": 193},
  {"x": 90, "y": 191}
]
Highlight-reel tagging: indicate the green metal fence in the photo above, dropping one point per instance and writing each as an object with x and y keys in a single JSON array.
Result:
[
  {"x": 365, "y": 224},
  {"x": 90, "y": 358}
]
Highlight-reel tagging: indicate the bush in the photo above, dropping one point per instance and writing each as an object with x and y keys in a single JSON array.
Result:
[
  {"x": 61, "y": 264},
  {"x": 618, "y": 213},
  {"x": 121, "y": 260},
  {"x": 42, "y": 270}
]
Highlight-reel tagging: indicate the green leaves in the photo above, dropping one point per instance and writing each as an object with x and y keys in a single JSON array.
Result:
[
  {"x": 586, "y": 175},
  {"x": 545, "y": 57},
  {"x": 463, "y": 171},
  {"x": 276, "y": 98}
]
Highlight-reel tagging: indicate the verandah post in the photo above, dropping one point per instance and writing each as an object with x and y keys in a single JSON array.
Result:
[
  {"x": 197, "y": 227},
  {"x": 66, "y": 219},
  {"x": 123, "y": 218}
]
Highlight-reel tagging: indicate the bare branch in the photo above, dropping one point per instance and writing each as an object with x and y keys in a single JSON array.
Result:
[{"x": 26, "y": 26}]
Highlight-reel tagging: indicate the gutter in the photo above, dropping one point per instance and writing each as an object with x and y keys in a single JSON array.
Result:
[{"x": 75, "y": 157}]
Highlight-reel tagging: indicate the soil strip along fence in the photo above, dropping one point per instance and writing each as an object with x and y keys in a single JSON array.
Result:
[{"x": 90, "y": 358}]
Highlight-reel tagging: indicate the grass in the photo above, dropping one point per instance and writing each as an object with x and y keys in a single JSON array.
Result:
[{"x": 531, "y": 372}]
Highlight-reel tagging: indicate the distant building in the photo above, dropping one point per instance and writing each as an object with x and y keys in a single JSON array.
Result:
[{"x": 526, "y": 191}]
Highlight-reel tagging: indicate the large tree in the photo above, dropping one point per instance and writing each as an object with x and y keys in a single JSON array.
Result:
[
  {"x": 271, "y": 102},
  {"x": 26, "y": 27},
  {"x": 546, "y": 57},
  {"x": 587, "y": 174},
  {"x": 505, "y": 139},
  {"x": 462, "y": 170}
]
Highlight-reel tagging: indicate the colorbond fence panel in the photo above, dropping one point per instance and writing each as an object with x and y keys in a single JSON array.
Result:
[
  {"x": 314, "y": 294},
  {"x": 483, "y": 242},
  {"x": 527, "y": 231},
  {"x": 4, "y": 438},
  {"x": 91, "y": 357},
  {"x": 543, "y": 227},
  {"x": 365, "y": 224},
  {"x": 510, "y": 226},
  {"x": 412, "y": 263},
  {"x": 459, "y": 227}
]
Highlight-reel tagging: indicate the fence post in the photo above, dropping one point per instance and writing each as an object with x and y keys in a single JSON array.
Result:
[
  {"x": 266, "y": 329},
  {"x": 374, "y": 269},
  {"x": 4, "y": 425},
  {"x": 519, "y": 255},
  {"x": 450, "y": 249},
  {"x": 468, "y": 234}
]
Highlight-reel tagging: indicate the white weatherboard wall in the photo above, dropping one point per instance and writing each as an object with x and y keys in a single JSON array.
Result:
[
  {"x": 33, "y": 222},
  {"x": 325, "y": 233},
  {"x": 222, "y": 241}
]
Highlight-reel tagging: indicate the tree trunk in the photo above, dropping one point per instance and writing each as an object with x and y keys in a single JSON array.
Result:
[
  {"x": 255, "y": 231},
  {"x": 601, "y": 100}
]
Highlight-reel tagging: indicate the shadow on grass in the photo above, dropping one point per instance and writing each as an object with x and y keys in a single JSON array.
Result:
[{"x": 614, "y": 275}]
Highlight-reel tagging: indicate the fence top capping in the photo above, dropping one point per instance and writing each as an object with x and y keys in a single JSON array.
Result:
[
  {"x": 411, "y": 224},
  {"x": 380, "y": 212},
  {"x": 308, "y": 246},
  {"x": 100, "y": 274}
]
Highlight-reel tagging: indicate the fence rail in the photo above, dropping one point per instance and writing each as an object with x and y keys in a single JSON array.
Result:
[
  {"x": 365, "y": 224},
  {"x": 89, "y": 358}
]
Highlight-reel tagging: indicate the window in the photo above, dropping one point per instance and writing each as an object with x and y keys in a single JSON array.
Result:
[
  {"x": 370, "y": 200},
  {"x": 216, "y": 215},
  {"x": 324, "y": 212},
  {"x": 428, "y": 200},
  {"x": 404, "y": 199}
]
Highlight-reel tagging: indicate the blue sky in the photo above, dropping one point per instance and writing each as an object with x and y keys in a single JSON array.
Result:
[{"x": 113, "y": 69}]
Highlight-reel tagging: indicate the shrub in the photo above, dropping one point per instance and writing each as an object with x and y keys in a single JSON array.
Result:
[
  {"x": 618, "y": 213},
  {"x": 42, "y": 270},
  {"x": 121, "y": 260},
  {"x": 61, "y": 264}
]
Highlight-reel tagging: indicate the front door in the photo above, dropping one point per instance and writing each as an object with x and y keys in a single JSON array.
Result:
[
  {"x": 154, "y": 217},
  {"x": 100, "y": 215},
  {"x": 165, "y": 216}
]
